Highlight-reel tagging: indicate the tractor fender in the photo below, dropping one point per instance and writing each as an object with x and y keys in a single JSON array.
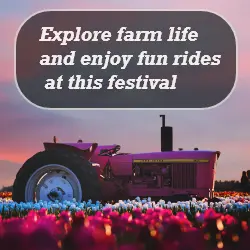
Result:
[{"x": 86, "y": 153}]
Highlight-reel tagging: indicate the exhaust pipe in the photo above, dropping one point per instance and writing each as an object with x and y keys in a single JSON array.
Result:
[{"x": 166, "y": 136}]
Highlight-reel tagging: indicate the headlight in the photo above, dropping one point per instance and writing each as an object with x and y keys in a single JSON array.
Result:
[{"x": 95, "y": 165}]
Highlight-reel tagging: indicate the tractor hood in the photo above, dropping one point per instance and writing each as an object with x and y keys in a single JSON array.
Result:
[{"x": 176, "y": 155}]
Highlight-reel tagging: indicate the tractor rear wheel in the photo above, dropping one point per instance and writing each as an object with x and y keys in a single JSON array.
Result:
[{"x": 56, "y": 175}]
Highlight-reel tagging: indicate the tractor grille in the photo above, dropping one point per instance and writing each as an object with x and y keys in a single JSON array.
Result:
[{"x": 184, "y": 175}]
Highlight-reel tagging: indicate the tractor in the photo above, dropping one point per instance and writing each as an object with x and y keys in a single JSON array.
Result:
[{"x": 82, "y": 171}]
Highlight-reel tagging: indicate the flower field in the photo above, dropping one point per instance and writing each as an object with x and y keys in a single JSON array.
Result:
[
  {"x": 5, "y": 195},
  {"x": 217, "y": 194},
  {"x": 231, "y": 194},
  {"x": 126, "y": 225}
]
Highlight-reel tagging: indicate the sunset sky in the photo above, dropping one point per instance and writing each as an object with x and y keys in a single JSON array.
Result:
[{"x": 23, "y": 127}]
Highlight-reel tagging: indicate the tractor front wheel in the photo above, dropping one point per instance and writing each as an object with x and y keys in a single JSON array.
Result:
[{"x": 56, "y": 175}]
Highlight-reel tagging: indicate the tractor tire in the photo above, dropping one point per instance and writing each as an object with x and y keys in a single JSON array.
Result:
[{"x": 82, "y": 169}]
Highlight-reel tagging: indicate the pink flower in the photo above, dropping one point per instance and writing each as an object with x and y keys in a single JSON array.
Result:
[
  {"x": 181, "y": 215},
  {"x": 98, "y": 214},
  {"x": 126, "y": 216},
  {"x": 229, "y": 220},
  {"x": 166, "y": 213},
  {"x": 150, "y": 211},
  {"x": 65, "y": 216},
  {"x": 210, "y": 214},
  {"x": 42, "y": 212},
  {"x": 107, "y": 211},
  {"x": 172, "y": 229},
  {"x": 137, "y": 212}
]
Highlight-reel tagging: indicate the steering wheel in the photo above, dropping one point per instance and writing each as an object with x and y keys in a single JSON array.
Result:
[{"x": 109, "y": 152}]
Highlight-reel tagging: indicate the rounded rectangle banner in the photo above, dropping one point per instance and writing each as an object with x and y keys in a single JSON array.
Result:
[{"x": 126, "y": 59}]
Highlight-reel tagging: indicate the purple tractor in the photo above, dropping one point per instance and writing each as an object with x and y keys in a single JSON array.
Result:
[{"x": 83, "y": 171}]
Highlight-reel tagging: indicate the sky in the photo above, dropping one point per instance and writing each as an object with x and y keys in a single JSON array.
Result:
[{"x": 23, "y": 127}]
